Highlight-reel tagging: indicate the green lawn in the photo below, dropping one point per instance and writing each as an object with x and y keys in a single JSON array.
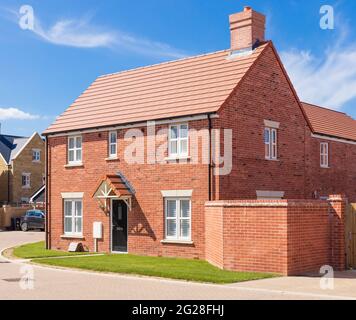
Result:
[
  {"x": 38, "y": 250},
  {"x": 186, "y": 269}
]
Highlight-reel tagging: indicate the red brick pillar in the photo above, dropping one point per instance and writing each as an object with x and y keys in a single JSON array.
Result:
[{"x": 337, "y": 213}]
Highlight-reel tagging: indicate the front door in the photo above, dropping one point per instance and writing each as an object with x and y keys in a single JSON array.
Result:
[{"x": 119, "y": 226}]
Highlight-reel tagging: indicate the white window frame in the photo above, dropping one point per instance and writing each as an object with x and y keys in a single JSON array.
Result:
[
  {"x": 75, "y": 149},
  {"x": 36, "y": 155},
  {"x": 112, "y": 155},
  {"x": 73, "y": 216},
  {"x": 324, "y": 154},
  {"x": 178, "y": 219},
  {"x": 272, "y": 144},
  {"x": 27, "y": 177},
  {"x": 179, "y": 140}
]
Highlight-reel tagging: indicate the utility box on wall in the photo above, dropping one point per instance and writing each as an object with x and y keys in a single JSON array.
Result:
[{"x": 97, "y": 230}]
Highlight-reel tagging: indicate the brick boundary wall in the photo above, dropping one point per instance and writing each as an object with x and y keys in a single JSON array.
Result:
[{"x": 288, "y": 237}]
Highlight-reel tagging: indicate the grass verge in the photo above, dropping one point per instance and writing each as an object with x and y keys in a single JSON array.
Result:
[
  {"x": 173, "y": 268},
  {"x": 38, "y": 250}
]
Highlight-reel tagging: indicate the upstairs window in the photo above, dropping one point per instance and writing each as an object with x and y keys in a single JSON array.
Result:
[
  {"x": 26, "y": 180},
  {"x": 178, "y": 140},
  {"x": 36, "y": 155},
  {"x": 270, "y": 143},
  {"x": 112, "y": 144},
  {"x": 324, "y": 155},
  {"x": 75, "y": 150}
]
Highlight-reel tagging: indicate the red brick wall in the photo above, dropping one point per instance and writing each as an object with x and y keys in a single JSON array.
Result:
[
  {"x": 340, "y": 178},
  {"x": 146, "y": 220},
  {"x": 264, "y": 94},
  {"x": 284, "y": 236}
]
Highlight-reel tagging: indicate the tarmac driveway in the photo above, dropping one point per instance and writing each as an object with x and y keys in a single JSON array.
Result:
[{"x": 50, "y": 283}]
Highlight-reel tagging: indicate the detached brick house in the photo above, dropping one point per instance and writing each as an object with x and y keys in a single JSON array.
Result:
[
  {"x": 281, "y": 149},
  {"x": 22, "y": 167}
]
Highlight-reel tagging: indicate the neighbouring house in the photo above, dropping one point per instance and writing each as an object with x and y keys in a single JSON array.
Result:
[
  {"x": 107, "y": 187},
  {"x": 22, "y": 167}
]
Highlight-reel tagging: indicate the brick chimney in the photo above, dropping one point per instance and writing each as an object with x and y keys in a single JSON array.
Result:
[{"x": 247, "y": 29}]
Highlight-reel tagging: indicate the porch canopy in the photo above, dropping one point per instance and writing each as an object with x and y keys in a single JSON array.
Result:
[{"x": 112, "y": 187}]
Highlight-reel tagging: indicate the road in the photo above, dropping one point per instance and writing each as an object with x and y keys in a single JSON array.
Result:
[{"x": 51, "y": 283}]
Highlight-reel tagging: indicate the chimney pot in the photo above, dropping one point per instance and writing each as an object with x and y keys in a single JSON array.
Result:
[{"x": 247, "y": 29}]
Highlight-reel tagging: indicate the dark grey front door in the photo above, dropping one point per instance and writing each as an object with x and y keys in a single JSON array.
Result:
[{"x": 119, "y": 226}]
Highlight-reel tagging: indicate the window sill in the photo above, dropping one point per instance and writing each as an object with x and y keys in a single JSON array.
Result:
[
  {"x": 277, "y": 160},
  {"x": 26, "y": 187},
  {"x": 35, "y": 161},
  {"x": 74, "y": 165},
  {"x": 111, "y": 159},
  {"x": 324, "y": 167},
  {"x": 72, "y": 236},
  {"x": 177, "y": 158},
  {"x": 187, "y": 242}
]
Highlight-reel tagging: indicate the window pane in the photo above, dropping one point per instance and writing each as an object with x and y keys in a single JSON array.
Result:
[
  {"x": 68, "y": 224},
  {"x": 78, "y": 154},
  {"x": 174, "y": 147},
  {"x": 185, "y": 228},
  {"x": 183, "y": 131},
  {"x": 78, "y": 225},
  {"x": 267, "y": 150},
  {"x": 113, "y": 149},
  {"x": 79, "y": 142},
  {"x": 171, "y": 228},
  {"x": 267, "y": 136},
  {"x": 68, "y": 208},
  {"x": 174, "y": 132},
  {"x": 71, "y": 155},
  {"x": 171, "y": 208},
  {"x": 112, "y": 137},
  {"x": 185, "y": 208},
  {"x": 71, "y": 143},
  {"x": 274, "y": 136},
  {"x": 78, "y": 208},
  {"x": 184, "y": 146}
]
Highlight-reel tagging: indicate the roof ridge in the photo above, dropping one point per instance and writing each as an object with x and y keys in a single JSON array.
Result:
[
  {"x": 163, "y": 63},
  {"x": 325, "y": 108},
  {"x": 11, "y": 136}
]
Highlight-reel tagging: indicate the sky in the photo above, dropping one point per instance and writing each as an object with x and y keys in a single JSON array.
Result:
[{"x": 44, "y": 69}]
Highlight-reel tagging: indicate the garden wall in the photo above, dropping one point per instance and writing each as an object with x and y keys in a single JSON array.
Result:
[{"x": 289, "y": 237}]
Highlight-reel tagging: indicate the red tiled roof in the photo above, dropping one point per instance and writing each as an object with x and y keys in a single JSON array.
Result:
[
  {"x": 189, "y": 86},
  {"x": 329, "y": 122}
]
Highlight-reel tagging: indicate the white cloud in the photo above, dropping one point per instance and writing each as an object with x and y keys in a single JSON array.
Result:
[
  {"x": 16, "y": 114},
  {"x": 328, "y": 81},
  {"x": 81, "y": 33}
]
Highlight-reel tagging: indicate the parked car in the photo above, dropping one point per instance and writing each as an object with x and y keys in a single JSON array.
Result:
[{"x": 33, "y": 219}]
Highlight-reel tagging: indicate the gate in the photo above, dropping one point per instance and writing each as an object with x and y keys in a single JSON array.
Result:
[{"x": 351, "y": 236}]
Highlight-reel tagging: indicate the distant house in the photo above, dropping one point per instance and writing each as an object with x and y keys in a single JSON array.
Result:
[{"x": 22, "y": 167}]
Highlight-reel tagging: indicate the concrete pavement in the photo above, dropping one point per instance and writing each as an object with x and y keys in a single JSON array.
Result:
[{"x": 50, "y": 283}]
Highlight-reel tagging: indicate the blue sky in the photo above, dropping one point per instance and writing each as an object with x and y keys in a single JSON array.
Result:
[{"x": 45, "y": 70}]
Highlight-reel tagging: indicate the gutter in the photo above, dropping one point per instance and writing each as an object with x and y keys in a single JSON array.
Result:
[
  {"x": 48, "y": 238},
  {"x": 210, "y": 167}
]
